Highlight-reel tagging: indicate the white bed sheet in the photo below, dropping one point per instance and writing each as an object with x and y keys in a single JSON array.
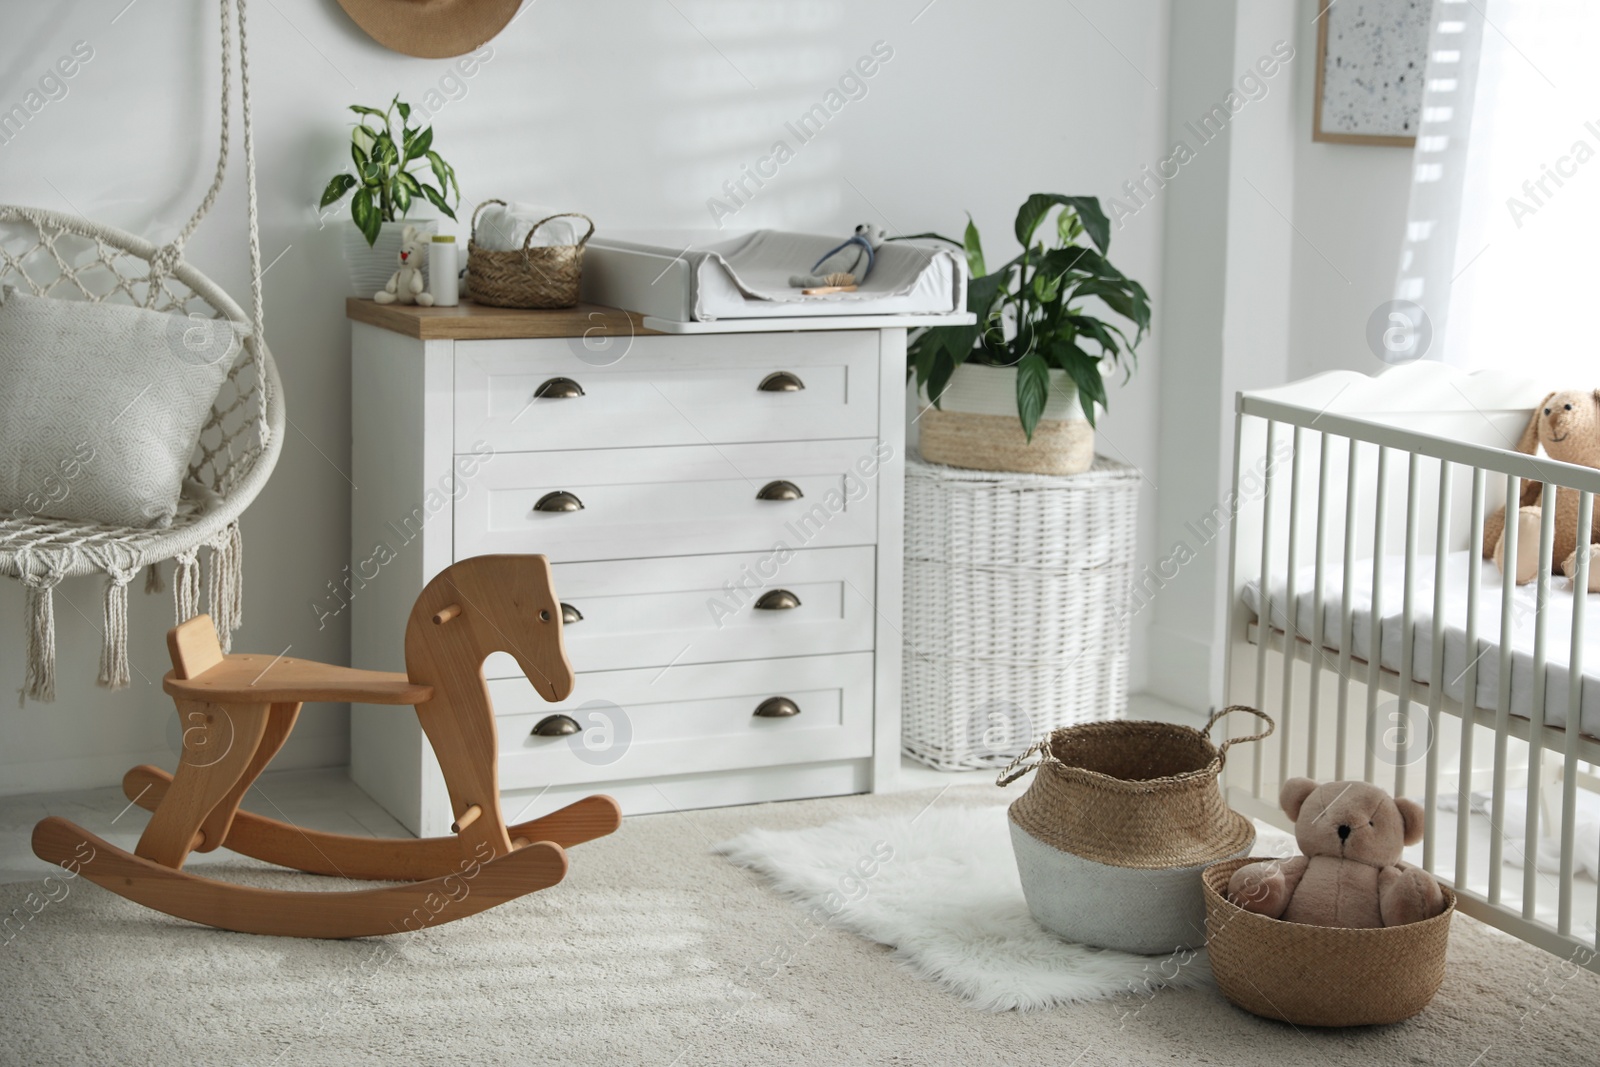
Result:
[{"x": 1459, "y": 570}]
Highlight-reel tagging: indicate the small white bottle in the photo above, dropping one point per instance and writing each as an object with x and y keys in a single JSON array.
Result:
[{"x": 444, "y": 272}]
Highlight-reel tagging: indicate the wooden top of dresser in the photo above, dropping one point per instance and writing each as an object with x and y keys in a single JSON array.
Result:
[{"x": 479, "y": 322}]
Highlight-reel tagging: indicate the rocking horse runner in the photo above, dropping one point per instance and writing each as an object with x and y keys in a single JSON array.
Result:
[{"x": 237, "y": 711}]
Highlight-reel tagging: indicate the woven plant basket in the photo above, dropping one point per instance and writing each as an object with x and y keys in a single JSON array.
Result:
[
  {"x": 1113, "y": 833},
  {"x": 998, "y": 443},
  {"x": 543, "y": 276},
  {"x": 1016, "y": 597},
  {"x": 1320, "y": 975}
]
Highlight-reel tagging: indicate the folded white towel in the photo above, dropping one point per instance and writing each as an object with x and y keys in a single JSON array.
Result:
[{"x": 503, "y": 228}]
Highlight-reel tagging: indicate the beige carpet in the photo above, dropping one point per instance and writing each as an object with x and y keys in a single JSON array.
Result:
[{"x": 656, "y": 951}]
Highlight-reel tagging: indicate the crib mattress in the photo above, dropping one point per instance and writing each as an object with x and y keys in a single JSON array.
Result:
[{"x": 1460, "y": 569}]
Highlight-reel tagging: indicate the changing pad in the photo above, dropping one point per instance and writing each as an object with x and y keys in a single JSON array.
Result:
[{"x": 696, "y": 277}]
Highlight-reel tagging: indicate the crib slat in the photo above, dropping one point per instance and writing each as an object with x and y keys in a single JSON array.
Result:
[
  {"x": 1408, "y": 637},
  {"x": 1502, "y": 718},
  {"x": 1264, "y": 627},
  {"x": 1347, "y": 618},
  {"x": 1530, "y": 839},
  {"x": 1291, "y": 628},
  {"x": 1569, "y": 762},
  {"x": 1375, "y": 640},
  {"x": 1469, "y": 682},
  {"x": 1441, "y": 555},
  {"x": 1319, "y": 585}
]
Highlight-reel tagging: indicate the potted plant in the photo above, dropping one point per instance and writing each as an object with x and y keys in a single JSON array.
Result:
[
  {"x": 1019, "y": 389},
  {"x": 387, "y": 183}
]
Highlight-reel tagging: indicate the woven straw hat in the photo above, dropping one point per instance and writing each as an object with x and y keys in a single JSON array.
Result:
[
  {"x": 1133, "y": 794},
  {"x": 432, "y": 29}
]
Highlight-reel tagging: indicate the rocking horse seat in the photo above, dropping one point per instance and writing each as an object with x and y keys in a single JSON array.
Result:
[{"x": 258, "y": 679}]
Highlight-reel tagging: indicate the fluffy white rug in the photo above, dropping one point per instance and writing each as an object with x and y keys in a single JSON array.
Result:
[{"x": 941, "y": 889}]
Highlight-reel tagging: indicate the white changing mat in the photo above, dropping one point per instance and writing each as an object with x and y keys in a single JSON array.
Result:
[
  {"x": 1460, "y": 568},
  {"x": 748, "y": 277}
]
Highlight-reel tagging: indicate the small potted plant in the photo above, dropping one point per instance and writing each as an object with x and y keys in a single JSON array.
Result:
[
  {"x": 1019, "y": 389},
  {"x": 388, "y": 180}
]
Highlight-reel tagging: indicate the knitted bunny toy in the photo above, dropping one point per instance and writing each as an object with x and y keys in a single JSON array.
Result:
[
  {"x": 1567, "y": 424},
  {"x": 848, "y": 264},
  {"x": 405, "y": 285}
]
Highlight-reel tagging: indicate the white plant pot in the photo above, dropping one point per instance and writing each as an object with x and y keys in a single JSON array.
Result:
[
  {"x": 371, "y": 267},
  {"x": 976, "y": 426}
]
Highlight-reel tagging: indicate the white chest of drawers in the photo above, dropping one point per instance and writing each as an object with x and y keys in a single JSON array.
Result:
[{"x": 723, "y": 515}]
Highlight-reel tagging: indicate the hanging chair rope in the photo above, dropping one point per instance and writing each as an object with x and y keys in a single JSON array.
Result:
[{"x": 228, "y": 470}]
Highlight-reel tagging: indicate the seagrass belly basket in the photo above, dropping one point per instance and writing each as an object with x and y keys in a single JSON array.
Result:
[{"x": 1118, "y": 823}]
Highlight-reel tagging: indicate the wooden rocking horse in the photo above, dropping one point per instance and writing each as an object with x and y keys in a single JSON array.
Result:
[{"x": 237, "y": 711}]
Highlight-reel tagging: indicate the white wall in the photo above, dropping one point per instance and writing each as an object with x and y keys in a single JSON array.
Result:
[{"x": 633, "y": 111}]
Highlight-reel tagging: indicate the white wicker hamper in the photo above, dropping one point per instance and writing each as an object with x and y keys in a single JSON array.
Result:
[{"x": 1016, "y": 600}]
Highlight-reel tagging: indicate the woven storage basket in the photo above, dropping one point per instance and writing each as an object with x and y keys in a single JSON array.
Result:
[
  {"x": 542, "y": 276},
  {"x": 1321, "y": 975},
  {"x": 1113, "y": 833},
  {"x": 1016, "y": 596}
]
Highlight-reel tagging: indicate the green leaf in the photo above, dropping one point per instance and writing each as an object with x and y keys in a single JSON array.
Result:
[
  {"x": 1038, "y": 205},
  {"x": 341, "y": 184},
  {"x": 437, "y": 199},
  {"x": 360, "y": 157},
  {"x": 359, "y": 110},
  {"x": 1033, "y": 390},
  {"x": 1069, "y": 227},
  {"x": 365, "y": 213},
  {"x": 409, "y": 181},
  {"x": 982, "y": 291},
  {"x": 401, "y": 196},
  {"x": 1094, "y": 220},
  {"x": 405, "y": 111},
  {"x": 974, "y": 247},
  {"x": 444, "y": 172},
  {"x": 944, "y": 368},
  {"x": 420, "y": 145}
]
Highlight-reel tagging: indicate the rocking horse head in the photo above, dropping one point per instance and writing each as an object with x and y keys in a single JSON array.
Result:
[{"x": 489, "y": 604}]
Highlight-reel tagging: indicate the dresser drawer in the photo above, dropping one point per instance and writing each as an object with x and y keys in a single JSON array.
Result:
[
  {"x": 687, "y": 719},
  {"x": 666, "y": 391},
  {"x": 684, "y": 500},
  {"x": 680, "y": 609}
]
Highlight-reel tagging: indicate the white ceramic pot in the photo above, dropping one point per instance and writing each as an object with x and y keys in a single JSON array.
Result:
[
  {"x": 370, "y": 267},
  {"x": 976, "y": 426}
]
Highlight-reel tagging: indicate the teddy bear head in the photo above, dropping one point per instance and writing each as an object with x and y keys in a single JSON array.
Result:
[
  {"x": 874, "y": 234},
  {"x": 1568, "y": 425},
  {"x": 1350, "y": 820},
  {"x": 412, "y": 250}
]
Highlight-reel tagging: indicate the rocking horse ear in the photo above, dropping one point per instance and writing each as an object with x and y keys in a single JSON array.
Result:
[{"x": 1530, "y": 436}]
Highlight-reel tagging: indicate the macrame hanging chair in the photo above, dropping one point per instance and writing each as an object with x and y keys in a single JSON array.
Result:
[{"x": 52, "y": 254}]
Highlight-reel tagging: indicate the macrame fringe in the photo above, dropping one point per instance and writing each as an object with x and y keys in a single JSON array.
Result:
[
  {"x": 152, "y": 578},
  {"x": 40, "y": 681},
  {"x": 186, "y": 585},
  {"x": 226, "y": 599},
  {"x": 114, "y": 647}
]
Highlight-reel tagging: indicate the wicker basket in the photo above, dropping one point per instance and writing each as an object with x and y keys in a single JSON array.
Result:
[
  {"x": 1114, "y": 831},
  {"x": 543, "y": 276},
  {"x": 1016, "y": 596},
  {"x": 1319, "y": 975}
]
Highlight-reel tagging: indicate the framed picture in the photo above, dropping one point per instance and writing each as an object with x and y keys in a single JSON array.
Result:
[{"x": 1372, "y": 56}]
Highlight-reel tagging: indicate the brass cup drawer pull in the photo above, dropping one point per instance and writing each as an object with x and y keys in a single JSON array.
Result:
[
  {"x": 779, "y": 490},
  {"x": 777, "y": 708},
  {"x": 560, "y": 500},
  {"x": 558, "y": 389},
  {"x": 555, "y": 726},
  {"x": 781, "y": 381},
  {"x": 777, "y": 600},
  {"x": 570, "y": 614}
]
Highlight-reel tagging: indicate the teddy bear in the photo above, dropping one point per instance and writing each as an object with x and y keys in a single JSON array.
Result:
[
  {"x": 405, "y": 285},
  {"x": 1567, "y": 424},
  {"x": 1352, "y": 834},
  {"x": 847, "y": 265}
]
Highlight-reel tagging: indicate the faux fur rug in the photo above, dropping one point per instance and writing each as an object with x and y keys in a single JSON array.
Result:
[{"x": 941, "y": 889}]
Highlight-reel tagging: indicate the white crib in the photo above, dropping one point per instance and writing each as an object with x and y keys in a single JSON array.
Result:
[{"x": 1364, "y": 619}]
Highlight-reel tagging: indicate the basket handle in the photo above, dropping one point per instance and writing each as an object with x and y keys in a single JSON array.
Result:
[
  {"x": 559, "y": 215},
  {"x": 1216, "y": 716},
  {"x": 1011, "y": 773},
  {"x": 473, "y": 236}
]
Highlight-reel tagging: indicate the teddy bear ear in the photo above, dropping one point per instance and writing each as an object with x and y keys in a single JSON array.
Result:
[
  {"x": 408, "y": 234},
  {"x": 1293, "y": 795},
  {"x": 1530, "y": 436},
  {"x": 1410, "y": 819}
]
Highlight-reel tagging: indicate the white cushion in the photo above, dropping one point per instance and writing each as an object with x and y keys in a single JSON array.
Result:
[{"x": 101, "y": 406}]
